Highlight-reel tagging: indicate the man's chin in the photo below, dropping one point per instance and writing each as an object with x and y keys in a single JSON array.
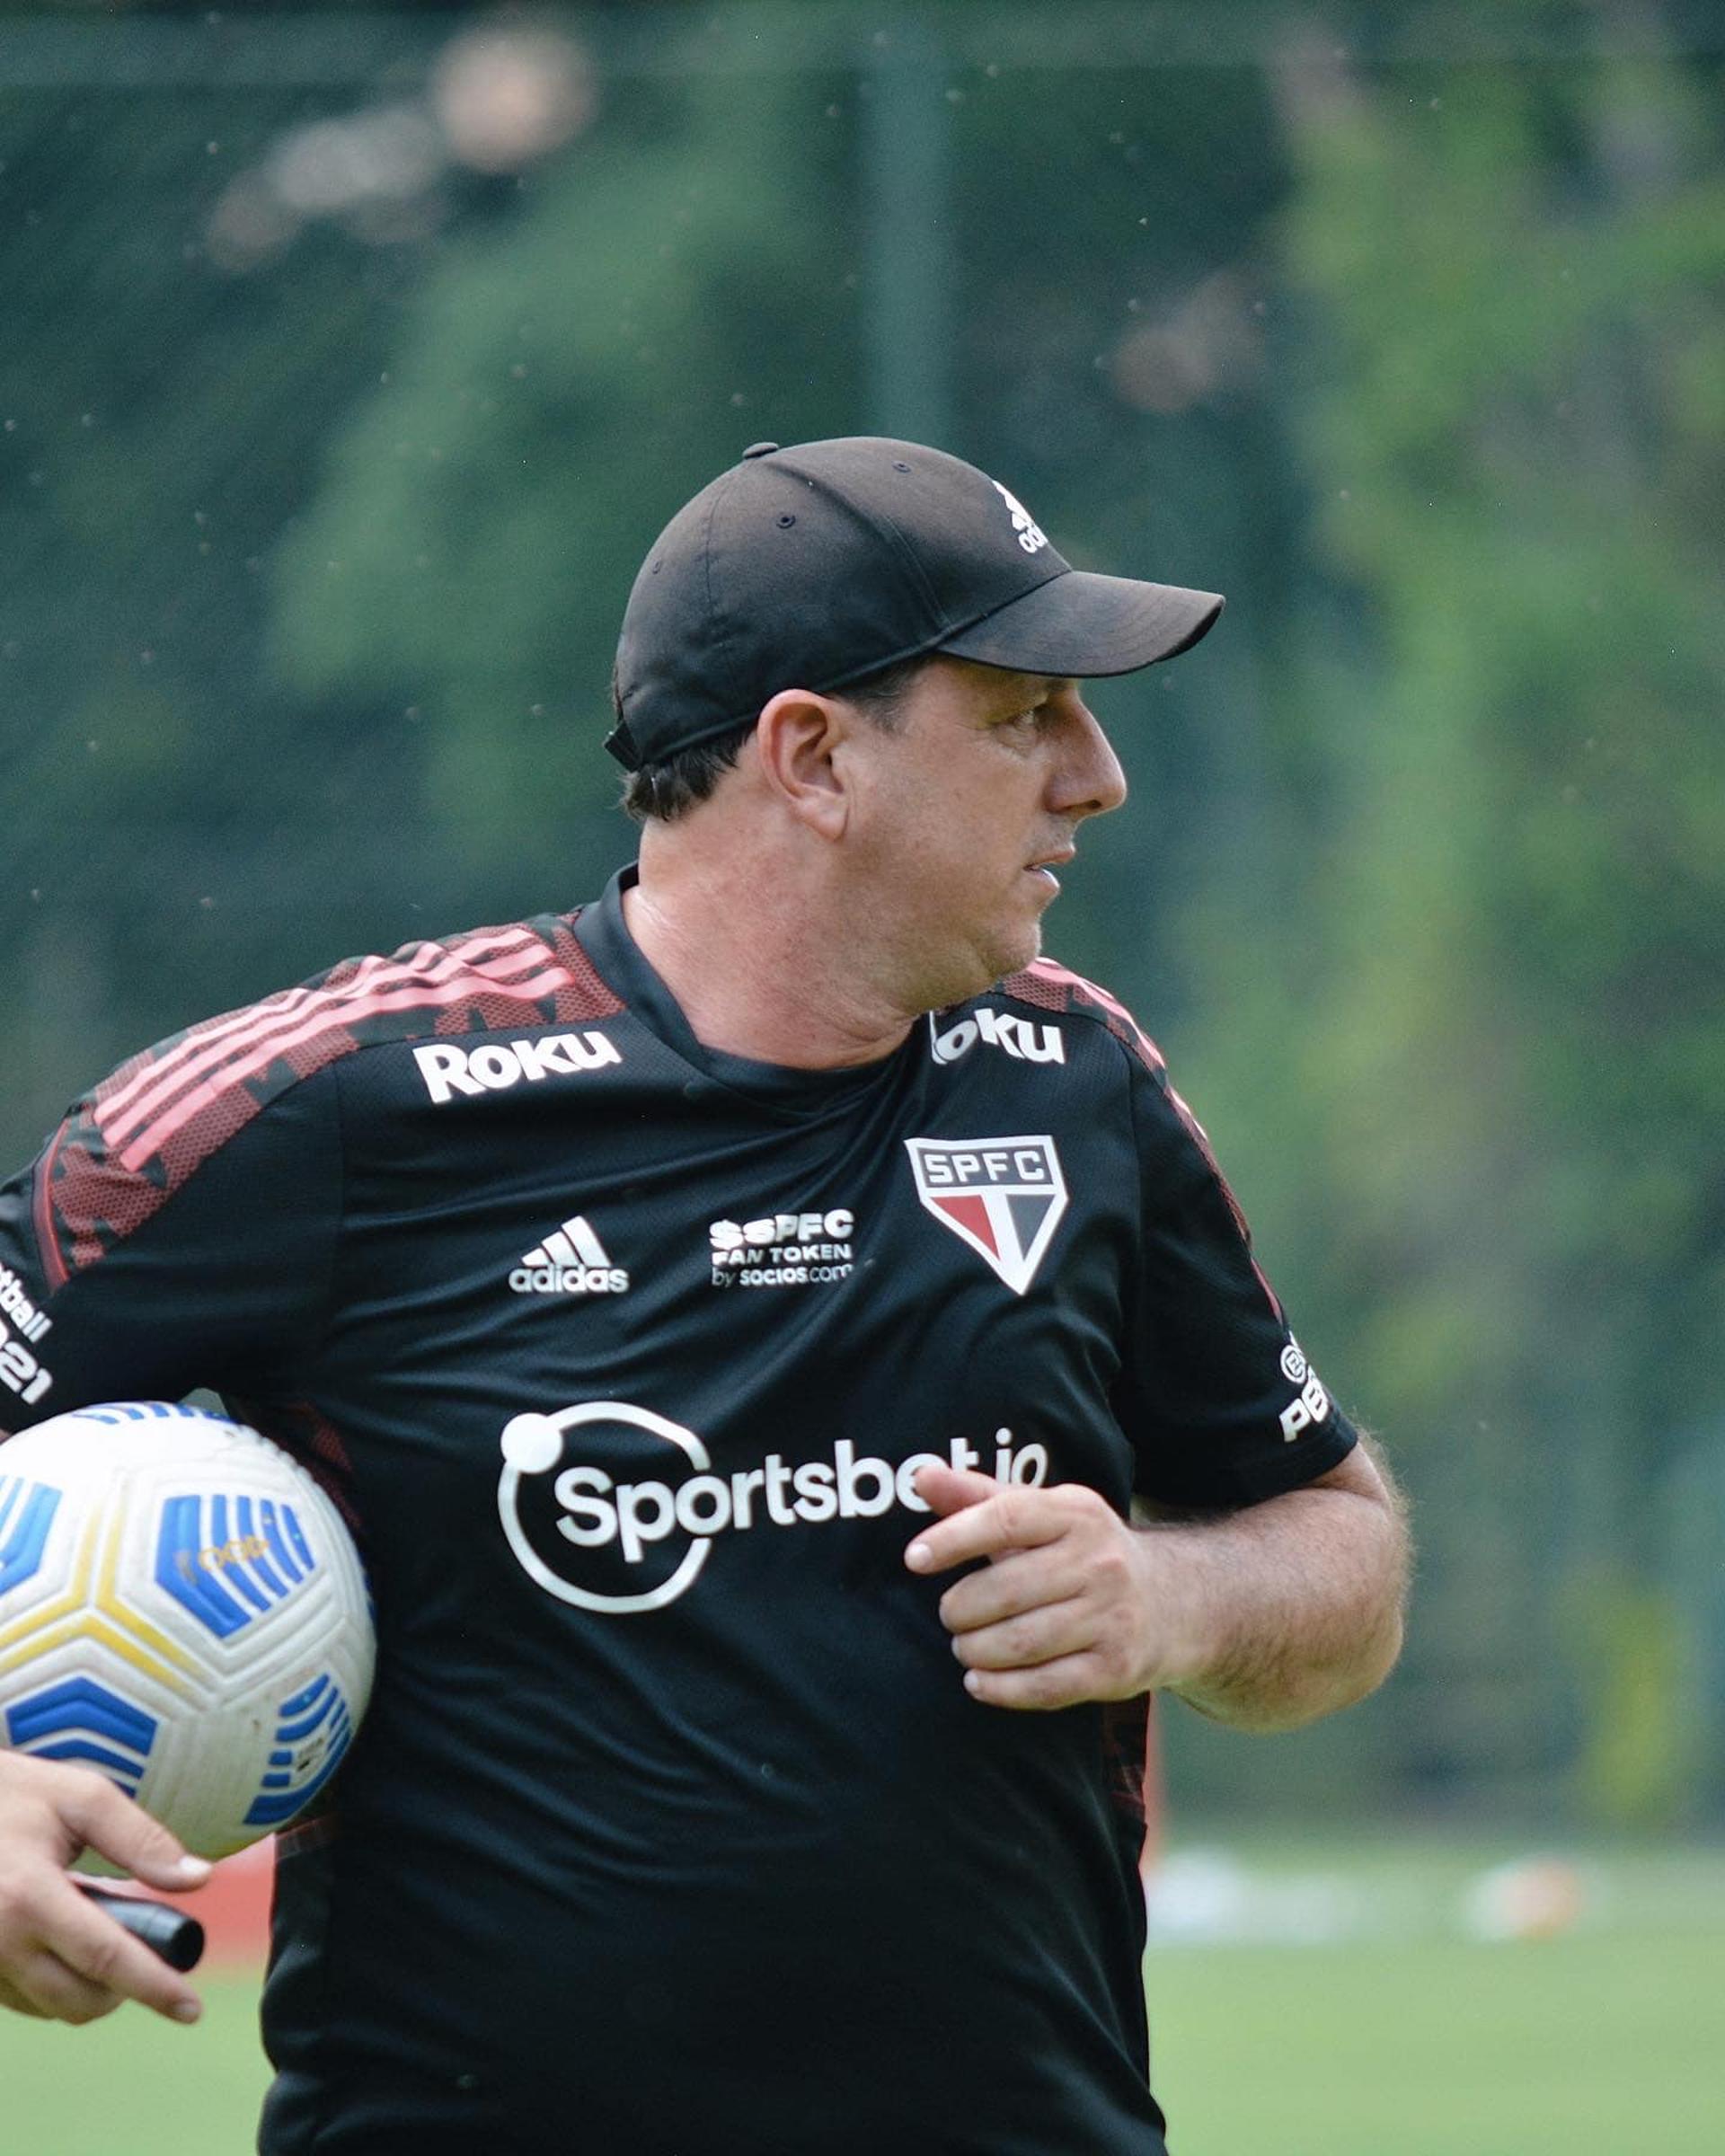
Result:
[
  {"x": 1014, "y": 955},
  {"x": 995, "y": 961}
]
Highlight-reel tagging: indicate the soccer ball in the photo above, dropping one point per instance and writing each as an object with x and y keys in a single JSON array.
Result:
[{"x": 182, "y": 1609}]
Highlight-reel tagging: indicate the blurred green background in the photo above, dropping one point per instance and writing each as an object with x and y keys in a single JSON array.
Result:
[{"x": 352, "y": 357}]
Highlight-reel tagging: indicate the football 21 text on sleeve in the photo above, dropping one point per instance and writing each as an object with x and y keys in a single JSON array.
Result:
[{"x": 737, "y": 1318}]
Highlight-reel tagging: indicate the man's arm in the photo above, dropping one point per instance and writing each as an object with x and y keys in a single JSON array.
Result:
[
  {"x": 140, "y": 1275},
  {"x": 1265, "y": 1618}
]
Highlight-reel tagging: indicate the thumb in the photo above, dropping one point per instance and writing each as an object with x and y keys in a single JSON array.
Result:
[{"x": 949, "y": 1490}]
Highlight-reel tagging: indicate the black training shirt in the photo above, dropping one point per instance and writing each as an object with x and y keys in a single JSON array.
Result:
[{"x": 672, "y": 1828}]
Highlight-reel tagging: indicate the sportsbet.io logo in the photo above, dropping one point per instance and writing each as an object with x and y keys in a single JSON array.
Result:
[{"x": 614, "y": 1508}]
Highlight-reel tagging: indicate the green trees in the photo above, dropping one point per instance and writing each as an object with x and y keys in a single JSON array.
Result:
[
  {"x": 1514, "y": 422},
  {"x": 570, "y": 372}
]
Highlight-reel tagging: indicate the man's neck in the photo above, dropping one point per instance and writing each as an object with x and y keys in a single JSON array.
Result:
[{"x": 757, "y": 967}]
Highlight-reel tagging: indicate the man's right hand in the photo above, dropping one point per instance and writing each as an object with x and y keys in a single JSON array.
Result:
[{"x": 61, "y": 1957}]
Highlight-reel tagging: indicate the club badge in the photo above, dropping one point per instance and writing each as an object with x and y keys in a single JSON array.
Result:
[{"x": 1003, "y": 1196}]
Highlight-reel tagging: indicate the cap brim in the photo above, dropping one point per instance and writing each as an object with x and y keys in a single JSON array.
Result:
[{"x": 1079, "y": 625}]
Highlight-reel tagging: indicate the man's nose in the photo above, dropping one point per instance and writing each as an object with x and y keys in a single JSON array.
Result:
[{"x": 1089, "y": 780}]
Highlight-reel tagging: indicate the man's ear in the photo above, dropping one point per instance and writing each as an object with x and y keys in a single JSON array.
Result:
[{"x": 797, "y": 743}]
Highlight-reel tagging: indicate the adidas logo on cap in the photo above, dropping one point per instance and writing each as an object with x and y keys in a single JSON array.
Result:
[{"x": 570, "y": 1261}]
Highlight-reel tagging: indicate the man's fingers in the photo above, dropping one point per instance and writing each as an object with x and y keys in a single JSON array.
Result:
[
  {"x": 64, "y": 1958},
  {"x": 106, "y": 1820},
  {"x": 101, "y": 1953},
  {"x": 949, "y": 1490},
  {"x": 1015, "y": 1582},
  {"x": 1004, "y": 1519},
  {"x": 60, "y": 1955},
  {"x": 1068, "y": 1682},
  {"x": 1024, "y": 1642},
  {"x": 54, "y": 1992},
  {"x": 1058, "y": 1612}
]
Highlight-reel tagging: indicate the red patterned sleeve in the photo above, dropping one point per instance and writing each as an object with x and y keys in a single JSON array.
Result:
[{"x": 178, "y": 1228}]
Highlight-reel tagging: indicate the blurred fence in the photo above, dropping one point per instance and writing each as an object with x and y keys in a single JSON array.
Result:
[{"x": 352, "y": 359}]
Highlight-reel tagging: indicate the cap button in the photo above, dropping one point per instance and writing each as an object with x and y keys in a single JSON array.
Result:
[{"x": 759, "y": 449}]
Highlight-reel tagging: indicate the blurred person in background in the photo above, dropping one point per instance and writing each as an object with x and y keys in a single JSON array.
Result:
[{"x": 738, "y": 1315}]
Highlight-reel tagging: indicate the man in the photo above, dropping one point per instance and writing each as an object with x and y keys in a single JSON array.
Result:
[{"x": 737, "y": 1317}]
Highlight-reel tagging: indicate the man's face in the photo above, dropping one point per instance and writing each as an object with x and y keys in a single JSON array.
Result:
[{"x": 964, "y": 814}]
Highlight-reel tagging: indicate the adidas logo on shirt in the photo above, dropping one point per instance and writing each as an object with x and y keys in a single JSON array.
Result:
[{"x": 570, "y": 1261}]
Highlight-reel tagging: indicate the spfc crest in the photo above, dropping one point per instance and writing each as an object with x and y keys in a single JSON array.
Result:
[{"x": 1003, "y": 1196}]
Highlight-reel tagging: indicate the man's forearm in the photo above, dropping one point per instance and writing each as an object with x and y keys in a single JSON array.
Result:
[{"x": 1289, "y": 1610}]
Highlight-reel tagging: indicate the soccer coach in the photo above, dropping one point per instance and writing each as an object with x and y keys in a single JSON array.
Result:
[{"x": 740, "y": 1316}]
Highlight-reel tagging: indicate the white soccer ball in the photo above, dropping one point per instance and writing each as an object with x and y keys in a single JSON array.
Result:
[{"x": 182, "y": 1608}]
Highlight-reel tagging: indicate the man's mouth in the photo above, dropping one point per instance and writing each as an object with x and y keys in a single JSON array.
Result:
[{"x": 1046, "y": 864}]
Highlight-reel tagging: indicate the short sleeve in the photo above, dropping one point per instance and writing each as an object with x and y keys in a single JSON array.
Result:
[
  {"x": 1216, "y": 1395},
  {"x": 139, "y": 1262}
]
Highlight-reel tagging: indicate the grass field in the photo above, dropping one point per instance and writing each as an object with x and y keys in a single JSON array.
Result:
[
  {"x": 1608, "y": 2045},
  {"x": 1405, "y": 2038}
]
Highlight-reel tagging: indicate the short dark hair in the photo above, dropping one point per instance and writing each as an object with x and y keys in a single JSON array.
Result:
[{"x": 666, "y": 790}]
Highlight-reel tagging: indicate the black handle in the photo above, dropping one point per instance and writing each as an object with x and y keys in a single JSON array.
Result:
[{"x": 177, "y": 1937}]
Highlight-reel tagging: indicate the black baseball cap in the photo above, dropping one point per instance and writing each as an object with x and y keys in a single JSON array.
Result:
[{"x": 812, "y": 566}]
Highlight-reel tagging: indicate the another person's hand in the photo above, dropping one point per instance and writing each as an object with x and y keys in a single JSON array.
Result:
[
  {"x": 60, "y": 1958},
  {"x": 1062, "y": 1610}
]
